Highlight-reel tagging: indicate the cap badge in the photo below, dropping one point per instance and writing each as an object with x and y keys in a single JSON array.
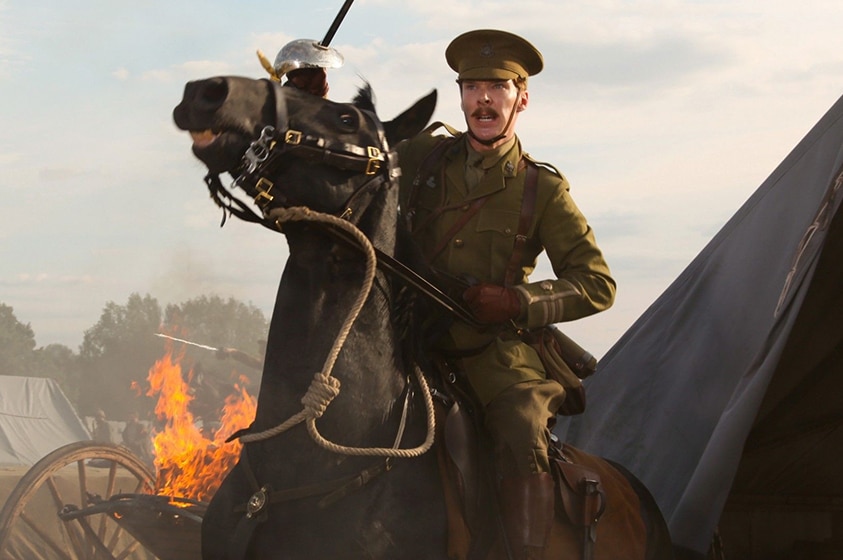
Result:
[{"x": 487, "y": 51}]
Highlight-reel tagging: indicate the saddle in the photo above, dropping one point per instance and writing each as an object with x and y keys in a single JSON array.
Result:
[{"x": 466, "y": 467}]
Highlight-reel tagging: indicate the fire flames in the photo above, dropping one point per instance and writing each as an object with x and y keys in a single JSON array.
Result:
[{"x": 189, "y": 462}]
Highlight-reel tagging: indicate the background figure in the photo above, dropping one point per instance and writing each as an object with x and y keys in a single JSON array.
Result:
[
  {"x": 102, "y": 431},
  {"x": 240, "y": 356},
  {"x": 136, "y": 437}
]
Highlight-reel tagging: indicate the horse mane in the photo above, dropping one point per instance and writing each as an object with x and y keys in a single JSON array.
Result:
[
  {"x": 409, "y": 308},
  {"x": 365, "y": 98}
]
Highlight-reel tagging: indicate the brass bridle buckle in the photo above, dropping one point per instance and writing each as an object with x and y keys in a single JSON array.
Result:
[
  {"x": 263, "y": 198},
  {"x": 375, "y": 159},
  {"x": 292, "y": 137}
]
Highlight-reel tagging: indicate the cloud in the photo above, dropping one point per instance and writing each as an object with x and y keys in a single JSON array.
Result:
[
  {"x": 59, "y": 173},
  {"x": 9, "y": 158},
  {"x": 188, "y": 70},
  {"x": 43, "y": 278},
  {"x": 659, "y": 62},
  {"x": 664, "y": 114}
]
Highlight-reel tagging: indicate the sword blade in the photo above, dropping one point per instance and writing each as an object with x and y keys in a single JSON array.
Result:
[
  {"x": 187, "y": 342},
  {"x": 329, "y": 36}
]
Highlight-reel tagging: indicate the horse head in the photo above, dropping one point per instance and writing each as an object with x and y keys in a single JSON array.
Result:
[{"x": 285, "y": 147}]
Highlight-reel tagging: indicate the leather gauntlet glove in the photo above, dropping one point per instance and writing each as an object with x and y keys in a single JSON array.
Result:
[{"x": 493, "y": 304}]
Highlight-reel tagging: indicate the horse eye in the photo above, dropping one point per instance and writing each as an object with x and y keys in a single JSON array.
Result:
[{"x": 348, "y": 121}]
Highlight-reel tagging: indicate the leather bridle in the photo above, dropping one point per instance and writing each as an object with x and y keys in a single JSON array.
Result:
[{"x": 278, "y": 143}]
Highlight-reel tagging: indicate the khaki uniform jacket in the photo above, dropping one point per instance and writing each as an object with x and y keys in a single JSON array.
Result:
[{"x": 482, "y": 248}]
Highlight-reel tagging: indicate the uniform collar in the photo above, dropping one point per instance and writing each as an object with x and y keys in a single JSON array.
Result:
[
  {"x": 488, "y": 159},
  {"x": 502, "y": 164}
]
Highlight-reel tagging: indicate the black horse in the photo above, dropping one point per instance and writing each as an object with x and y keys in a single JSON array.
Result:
[{"x": 340, "y": 469}]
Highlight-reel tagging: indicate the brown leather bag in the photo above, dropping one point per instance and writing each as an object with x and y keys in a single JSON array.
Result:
[
  {"x": 581, "y": 362},
  {"x": 565, "y": 362}
]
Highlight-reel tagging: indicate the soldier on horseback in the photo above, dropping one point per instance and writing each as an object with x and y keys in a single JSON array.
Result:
[{"x": 482, "y": 210}]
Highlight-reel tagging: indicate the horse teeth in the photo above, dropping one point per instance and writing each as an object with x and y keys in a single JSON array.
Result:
[{"x": 203, "y": 138}]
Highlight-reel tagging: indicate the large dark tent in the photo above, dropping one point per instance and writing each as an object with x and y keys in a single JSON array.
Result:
[{"x": 726, "y": 396}]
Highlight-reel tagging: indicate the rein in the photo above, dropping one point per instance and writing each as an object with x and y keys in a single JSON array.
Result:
[
  {"x": 325, "y": 387},
  {"x": 259, "y": 162}
]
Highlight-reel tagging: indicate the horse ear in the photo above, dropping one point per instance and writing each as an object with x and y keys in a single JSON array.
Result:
[{"x": 412, "y": 121}]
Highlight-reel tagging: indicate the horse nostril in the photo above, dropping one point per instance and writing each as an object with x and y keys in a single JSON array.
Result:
[{"x": 212, "y": 94}]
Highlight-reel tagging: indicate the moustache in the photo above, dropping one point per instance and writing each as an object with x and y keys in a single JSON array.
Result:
[{"x": 485, "y": 113}]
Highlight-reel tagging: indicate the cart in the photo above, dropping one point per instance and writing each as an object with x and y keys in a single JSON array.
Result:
[{"x": 94, "y": 501}]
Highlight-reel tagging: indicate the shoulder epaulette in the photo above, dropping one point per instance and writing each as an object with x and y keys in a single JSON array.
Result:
[
  {"x": 439, "y": 124},
  {"x": 433, "y": 158},
  {"x": 544, "y": 164}
]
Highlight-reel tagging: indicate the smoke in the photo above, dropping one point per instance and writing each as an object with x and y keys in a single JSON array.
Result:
[{"x": 183, "y": 276}]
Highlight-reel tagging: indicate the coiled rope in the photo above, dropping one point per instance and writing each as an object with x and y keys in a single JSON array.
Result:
[{"x": 324, "y": 387}]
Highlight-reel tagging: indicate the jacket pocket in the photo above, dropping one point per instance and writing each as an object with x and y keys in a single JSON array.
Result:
[
  {"x": 504, "y": 223},
  {"x": 495, "y": 232}
]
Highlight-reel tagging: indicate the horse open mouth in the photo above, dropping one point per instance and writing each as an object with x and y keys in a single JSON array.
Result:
[
  {"x": 220, "y": 150},
  {"x": 203, "y": 138}
]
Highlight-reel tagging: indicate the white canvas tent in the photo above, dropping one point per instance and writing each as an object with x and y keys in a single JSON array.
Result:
[
  {"x": 35, "y": 419},
  {"x": 726, "y": 393}
]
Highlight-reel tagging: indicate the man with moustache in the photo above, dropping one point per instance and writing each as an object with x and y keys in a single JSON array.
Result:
[{"x": 482, "y": 210}]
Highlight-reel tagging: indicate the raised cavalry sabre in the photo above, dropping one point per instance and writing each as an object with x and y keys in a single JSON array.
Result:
[
  {"x": 329, "y": 36},
  {"x": 188, "y": 342}
]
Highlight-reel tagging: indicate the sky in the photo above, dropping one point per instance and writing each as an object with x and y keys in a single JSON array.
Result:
[{"x": 665, "y": 116}]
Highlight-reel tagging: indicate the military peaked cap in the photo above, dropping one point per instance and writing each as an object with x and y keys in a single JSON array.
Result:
[{"x": 489, "y": 54}]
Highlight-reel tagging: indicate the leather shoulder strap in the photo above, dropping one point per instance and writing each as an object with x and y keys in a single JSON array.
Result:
[
  {"x": 528, "y": 209},
  {"x": 426, "y": 169},
  {"x": 434, "y": 156}
]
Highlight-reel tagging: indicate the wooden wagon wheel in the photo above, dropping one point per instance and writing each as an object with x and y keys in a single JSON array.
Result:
[{"x": 78, "y": 474}]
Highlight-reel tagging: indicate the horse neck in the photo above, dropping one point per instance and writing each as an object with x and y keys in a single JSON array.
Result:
[{"x": 319, "y": 287}]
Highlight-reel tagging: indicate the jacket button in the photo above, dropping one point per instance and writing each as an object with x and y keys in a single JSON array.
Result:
[
  {"x": 465, "y": 208},
  {"x": 547, "y": 286},
  {"x": 458, "y": 243}
]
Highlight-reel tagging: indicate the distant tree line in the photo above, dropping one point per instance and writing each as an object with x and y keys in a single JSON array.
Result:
[{"x": 110, "y": 368}]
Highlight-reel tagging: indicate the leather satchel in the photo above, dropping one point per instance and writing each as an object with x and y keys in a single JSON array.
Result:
[{"x": 565, "y": 362}]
